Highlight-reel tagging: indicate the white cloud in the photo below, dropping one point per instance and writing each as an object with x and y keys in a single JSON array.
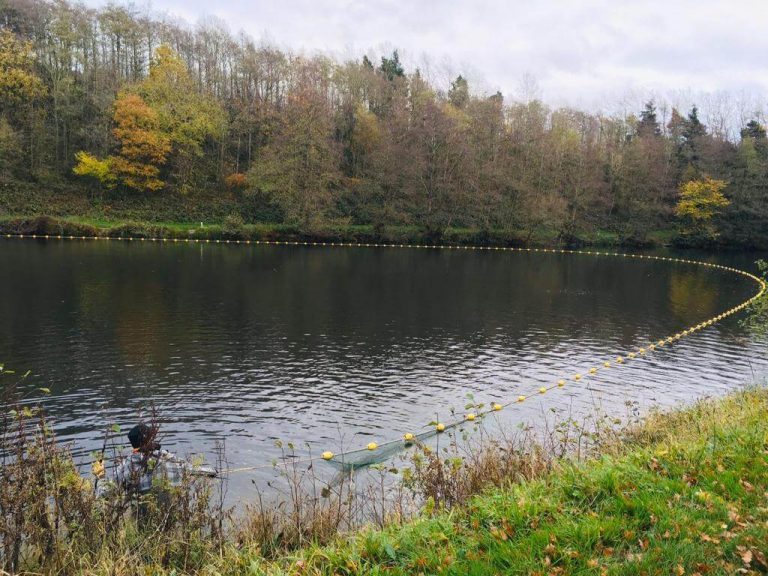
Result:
[{"x": 579, "y": 50}]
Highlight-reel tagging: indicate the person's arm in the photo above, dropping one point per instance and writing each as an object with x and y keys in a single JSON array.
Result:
[{"x": 175, "y": 468}]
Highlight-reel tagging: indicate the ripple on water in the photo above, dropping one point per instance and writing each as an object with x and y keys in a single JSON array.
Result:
[{"x": 332, "y": 348}]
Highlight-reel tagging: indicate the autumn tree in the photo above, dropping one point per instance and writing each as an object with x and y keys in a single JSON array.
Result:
[
  {"x": 144, "y": 146},
  {"x": 435, "y": 175},
  {"x": 700, "y": 201},
  {"x": 100, "y": 171},
  {"x": 143, "y": 149},
  {"x": 21, "y": 90},
  {"x": 185, "y": 117},
  {"x": 18, "y": 82},
  {"x": 388, "y": 148},
  {"x": 298, "y": 168}
]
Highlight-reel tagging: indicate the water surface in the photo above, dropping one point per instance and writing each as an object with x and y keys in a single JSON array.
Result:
[{"x": 340, "y": 346}]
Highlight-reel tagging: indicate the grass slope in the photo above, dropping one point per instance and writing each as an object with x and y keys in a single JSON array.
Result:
[
  {"x": 686, "y": 493},
  {"x": 83, "y": 226}
]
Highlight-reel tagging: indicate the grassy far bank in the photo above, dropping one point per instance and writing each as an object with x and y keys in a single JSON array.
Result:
[{"x": 234, "y": 230}]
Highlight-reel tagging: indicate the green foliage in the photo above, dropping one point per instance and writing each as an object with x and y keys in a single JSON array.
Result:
[
  {"x": 298, "y": 169},
  {"x": 391, "y": 67},
  {"x": 649, "y": 124},
  {"x": 757, "y": 322}
]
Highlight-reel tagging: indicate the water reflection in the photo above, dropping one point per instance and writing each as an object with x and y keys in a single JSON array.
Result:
[{"x": 257, "y": 343}]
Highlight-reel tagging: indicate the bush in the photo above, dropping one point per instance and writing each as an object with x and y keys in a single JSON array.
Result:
[
  {"x": 52, "y": 521},
  {"x": 233, "y": 226}
]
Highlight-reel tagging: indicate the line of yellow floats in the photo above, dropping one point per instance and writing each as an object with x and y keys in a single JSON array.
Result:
[{"x": 440, "y": 427}]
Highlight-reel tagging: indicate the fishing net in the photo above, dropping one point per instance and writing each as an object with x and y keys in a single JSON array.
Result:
[{"x": 357, "y": 459}]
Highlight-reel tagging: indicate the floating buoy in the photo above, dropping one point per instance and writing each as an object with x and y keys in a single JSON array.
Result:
[
  {"x": 642, "y": 350},
  {"x": 631, "y": 355},
  {"x": 577, "y": 377},
  {"x": 372, "y": 446},
  {"x": 408, "y": 437},
  {"x": 521, "y": 398},
  {"x": 470, "y": 416},
  {"x": 561, "y": 383},
  {"x": 327, "y": 455},
  {"x": 440, "y": 427},
  {"x": 497, "y": 407},
  {"x": 619, "y": 360},
  {"x": 593, "y": 370},
  {"x": 542, "y": 390},
  {"x": 607, "y": 364}
]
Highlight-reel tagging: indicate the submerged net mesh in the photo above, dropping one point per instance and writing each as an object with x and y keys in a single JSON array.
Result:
[{"x": 361, "y": 458}]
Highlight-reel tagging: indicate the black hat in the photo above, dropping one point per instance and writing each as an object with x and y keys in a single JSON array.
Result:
[{"x": 140, "y": 435}]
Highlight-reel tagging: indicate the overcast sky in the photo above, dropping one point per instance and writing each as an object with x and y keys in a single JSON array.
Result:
[{"x": 580, "y": 52}]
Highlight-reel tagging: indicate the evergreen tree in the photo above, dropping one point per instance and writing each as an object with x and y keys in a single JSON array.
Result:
[
  {"x": 391, "y": 67},
  {"x": 458, "y": 95},
  {"x": 755, "y": 132},
  {"x": 693, "y": 128},
  {"x": 649, "y": 124}
]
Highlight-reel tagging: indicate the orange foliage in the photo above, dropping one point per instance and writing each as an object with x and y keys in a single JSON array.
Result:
[
  {"x": 236, "y": 181},
  {"x": 143, "y": 147}
]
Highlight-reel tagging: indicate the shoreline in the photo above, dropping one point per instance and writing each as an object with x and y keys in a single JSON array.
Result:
[
  {"x": 679, "y": 491},
  {"x": 362, "y": 234}
]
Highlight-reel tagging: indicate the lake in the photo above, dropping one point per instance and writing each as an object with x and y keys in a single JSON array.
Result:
[{"x": 337, "y": 347}]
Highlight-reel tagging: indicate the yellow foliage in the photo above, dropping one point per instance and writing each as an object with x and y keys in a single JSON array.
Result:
[
  {"x": 700, "y": 200},
  {"x": 18, "y": 83},
  {"x": 185, "y": 115},
  {"x": 458, "y": 116},
  {"x": 101, "y": 170},
  {"x": 366, "y": 134}
]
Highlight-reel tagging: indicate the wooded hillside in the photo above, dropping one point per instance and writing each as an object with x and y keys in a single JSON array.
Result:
[{"x": 123, "y": 115}]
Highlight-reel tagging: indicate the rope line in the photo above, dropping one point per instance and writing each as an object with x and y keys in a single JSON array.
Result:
[{"x": 409, "y": 439}]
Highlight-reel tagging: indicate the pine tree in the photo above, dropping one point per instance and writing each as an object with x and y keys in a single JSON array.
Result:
[
  {"x": 649, "y": 124},
  {"x": 391, "y": 67},
  {"x": 458, "y": 95}
]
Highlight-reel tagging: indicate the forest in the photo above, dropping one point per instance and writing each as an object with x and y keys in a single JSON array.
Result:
[{"x": 116, "y": 115}]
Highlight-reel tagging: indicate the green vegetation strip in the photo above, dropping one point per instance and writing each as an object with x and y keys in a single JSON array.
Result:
[
  {"x": 93, "y": 227},
  {"x": 686, "y": 493}
]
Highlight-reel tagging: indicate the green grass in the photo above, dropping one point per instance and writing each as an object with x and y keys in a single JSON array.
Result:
[
  {"x": 687, "y": 493},
  {"x": 101, "y": 226}
]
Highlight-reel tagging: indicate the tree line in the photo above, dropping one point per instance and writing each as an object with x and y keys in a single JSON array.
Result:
[{"x": 123, "y": 103}]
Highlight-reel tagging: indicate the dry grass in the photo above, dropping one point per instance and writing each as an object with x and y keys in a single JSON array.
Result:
[{"x": 52, "y": 523}]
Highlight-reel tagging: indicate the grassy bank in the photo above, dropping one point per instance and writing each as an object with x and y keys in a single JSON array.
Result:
[
  {"x": 234, "y": 230},
  {"x": 684, "y": 492}
]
